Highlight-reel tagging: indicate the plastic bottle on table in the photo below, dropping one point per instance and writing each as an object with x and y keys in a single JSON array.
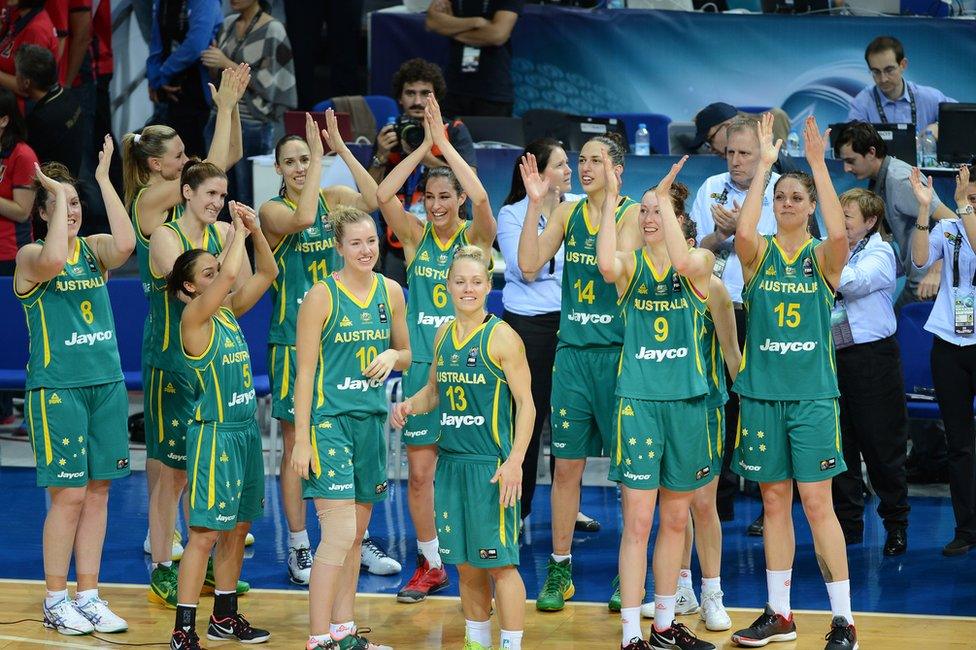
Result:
[
  {"x": 793, "y": 144},
  {"x": 642, "y": 141},
  {"x": 927, "y": 150}
]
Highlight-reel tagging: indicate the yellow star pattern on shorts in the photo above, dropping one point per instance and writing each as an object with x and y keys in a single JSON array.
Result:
[
  {"x": 227, "y": 484},
  {"x": 331, "y": 473},
  {"x": 648, "y": 442},
  {"x": 172, "y": 443},
  {"x": 760, "y": 435},
  {"x": 762, "y": 447},
  {"x": 632, "y": 441},
  {"x": 745, "y": 432},
  {"x": 640, "y": 457},
  {"x": 650, "y": 454},
  {"x": 238, "y": 482},
  {"x": 444, "y": 514},
  {"x": 626, "y": 461},
  {"x": 447, "y": 529},
  {"x": 562, "y": 413},
  {"x": 565, "y": 424},
  {"x": 74, "y": 455},
  {"x": 84, "y": 451},
  {"x": 332, "y": 452},
  {"x": 345, "y": 449},
  {"x": 62, "y": 462},
  {"x": 65, "y": 441},
  {"x": 175, "y": 422},
  {"x": 222, "y": 505},
  {"x": 81, "y": 439},
  {"x": 224, "y": 457}
]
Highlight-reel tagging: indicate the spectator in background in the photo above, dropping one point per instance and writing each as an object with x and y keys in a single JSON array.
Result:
[
  {"x": 873, "y": 416},
  {"x": 865, "y": 156},
  {"x": 479, "y": 71},
  {"x": 54, "y": 126},
  {"x": 715, "y": 212},
  {"x": 103, "y": 63},
  {"x": 25, "y": 22},
  {"x": 16, "y": 201},
  {"x": 712, "y": 122},
  {"x": 182, "y": 29},
  {"x": 251, "y": 35},
  {"x": 892, "y": 100},
  {"x": 58, "y": 11},
  {"x": 413, "y": 84}
]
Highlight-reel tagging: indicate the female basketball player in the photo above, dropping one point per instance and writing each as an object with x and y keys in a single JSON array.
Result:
[
  {"x": 590, "y": 335},
  {"x": 480, "y": 369},
  {"x": 661, "y": 444},
  {"x": 428, "y": 249},
  {"x": 351, "y": 328},
  {"x": 151, "y": 165},
  {"x": 789, "y": 425},
  {"x": 76, "y": 402},
  {"x": 224, "y": 458},
  {"x": 297, "y": 227}
]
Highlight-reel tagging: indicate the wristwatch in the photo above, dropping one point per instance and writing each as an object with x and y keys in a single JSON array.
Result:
[
  {"x": 376, "y": 162},
  {"x": 965, "y": 211}
]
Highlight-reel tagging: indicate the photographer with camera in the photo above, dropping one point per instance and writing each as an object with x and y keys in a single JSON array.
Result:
[{"x": 413, "y": 84}]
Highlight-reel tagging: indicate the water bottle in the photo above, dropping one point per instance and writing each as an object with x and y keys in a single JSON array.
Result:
[
  {"x": 793, "y": 144},
  {"x": 615, "y": 4},
  {"x": 927, "y": 150},
  {"x": 642, "y": 141}
]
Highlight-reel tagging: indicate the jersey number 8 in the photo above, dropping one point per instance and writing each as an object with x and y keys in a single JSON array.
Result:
[{"x": 86, "y": 312}]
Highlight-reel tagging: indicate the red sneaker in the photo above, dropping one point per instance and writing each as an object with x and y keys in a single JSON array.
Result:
[{"x": 424, "y": 581}]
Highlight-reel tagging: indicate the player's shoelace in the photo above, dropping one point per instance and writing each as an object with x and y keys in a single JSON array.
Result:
[
  {"x": 303, "y": 558},
  {"x": 557, "y": 580},
  {"x": 372, "y": 549}
]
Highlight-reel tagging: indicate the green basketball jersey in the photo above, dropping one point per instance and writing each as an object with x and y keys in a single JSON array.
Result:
[
  {"x": 661, "y": 355},
  {"x": 304, "y": 258},
  {"x": 590, "y": 316},
  {"x": 160, "y": 341},
  {"x": 789, "y": 354},
  {"x": 711, "y": 351},
  {"x": 222, "y": 374},
  {"x": 72, "y": 331},
  {"x": 142, "y": 242},
  {"x": 475, "y": 401},
  {"x": 428, "y": 304},
  {"x": 354, "y": 335}
]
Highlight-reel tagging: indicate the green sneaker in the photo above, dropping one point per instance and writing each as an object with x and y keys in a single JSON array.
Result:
[
  {"x": 209, "y": 583},
  {"x": 558, "y": 587},
  {"x": 614, "y": 604},
  {"x": 162, "y": 586},
  {"x": 474, "y": 645},
  {"x": 357, "y": 641}
]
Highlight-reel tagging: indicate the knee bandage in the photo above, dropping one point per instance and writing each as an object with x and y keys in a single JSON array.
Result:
[{"x": 338, "y": 526}]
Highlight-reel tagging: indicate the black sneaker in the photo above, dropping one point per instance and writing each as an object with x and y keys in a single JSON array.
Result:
[
  {"x": 184, "y": 640},
  {"x": 677, "y": 637},
  {"x": 958, "y": 546},
  {"x": 755, "y": 529},
  {"x": 636, "y": 643},
  {"x": 842, "y": 635},
  {"x": 769, "y": 627},
  {"x": 235, "y": 627}
]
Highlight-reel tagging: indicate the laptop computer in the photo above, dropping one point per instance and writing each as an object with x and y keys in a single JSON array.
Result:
[
  {"x": 957, "y": 133},
  {"x": 572, "y": 130},
  {"x": 898, "y": 138},
  {"x": 295, "y": 125}
]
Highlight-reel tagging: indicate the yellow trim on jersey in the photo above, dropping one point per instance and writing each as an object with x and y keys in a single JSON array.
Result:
[
  {"x": 196, "y": 465},
  {"x": 284, "y": 372},
  {"x": 585, "y": 213},
  {"x": 283, "y": 290},
  {"x": 471, "y": 334},
  {"x": 486, "y": 354},
  {"x": 317, "y": 462},
  {"x": 321, "y": 393},
  {"x": 630, "y": 284},
  {"x": 362, "y": 304},
  {"x": 47, "y": 433},
  {"x": 166, "y": 322},
  {"x": 738, "y": 429},
  {"x": 213, "y": 333},
  {"x": 620, "y": 435},
  {"x": 837, "y": 443},
  {"x": 494, "y": 414},
  {"x": 159, "y": 406},
  {"x": 719, "y": 431},
  {"x": 44, "y": 336},
  {"x": 450, "y": 242},
  {"x": 135, "y": 217},
  {"x": 27, "y": 294},
  {"x": 796, "y": 256},
  {"x": 220, "y": 400},
  {"x": 696, "y": 342},
  {"x": 501, "y": 514},
  {"x": 211, "y": 492},
  {"x": 762, "y": 260},
  {"x": 650, "y": 264},
  {"x": 76, "y": 253}
]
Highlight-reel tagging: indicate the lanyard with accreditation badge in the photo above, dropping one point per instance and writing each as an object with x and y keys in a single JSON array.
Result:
[
  {"x": 881, "y": 110},
  {"x": 840, "y": 323},
  {"x": 962, "y": 301}
]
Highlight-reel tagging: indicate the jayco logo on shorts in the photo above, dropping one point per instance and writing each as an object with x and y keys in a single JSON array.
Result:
[
  {"x": 88, "y": 339},
  {"x": 637, "y": 477},
  {"x": 431, "y": 319},
  {"x": 241, "y": 398},
  {"x": 784, "y": 347},
  {"x": 585, "y": 319},
  {"x": 359, "y": 384},
  {"x": 559, "y": 445},
  {"x": 661, "y": 355},
  {"x": 175, "y": 457},
  {"x": 226, "y": 517},
  {"x": 458, "y": 421},
  {"x": 414, "y": 434},
  {"x": 749, "y": 468},
  {"x": 70, "y": 475},
  {"x": 335, "y": 487}
]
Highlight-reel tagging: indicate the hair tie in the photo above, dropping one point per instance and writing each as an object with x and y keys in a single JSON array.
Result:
[{"x": 136, "y": 137}]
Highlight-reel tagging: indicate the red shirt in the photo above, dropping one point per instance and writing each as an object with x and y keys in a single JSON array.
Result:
[
  {"x": 58, "y": 11},
  {"x": 39, "y": 31},
  {"x": 102, "y": 59},
  {"x": 16, "y": 171},
  {"x": 72, "y": 6}
]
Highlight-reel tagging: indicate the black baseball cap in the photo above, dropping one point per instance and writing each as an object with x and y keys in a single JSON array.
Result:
[{"x": 709, "y": 117}]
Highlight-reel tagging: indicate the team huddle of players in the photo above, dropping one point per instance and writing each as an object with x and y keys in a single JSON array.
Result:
[{"x": 642, "y": 311}]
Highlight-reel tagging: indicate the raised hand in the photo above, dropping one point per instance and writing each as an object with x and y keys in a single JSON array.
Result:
[
  {"x": 962, "y": 187},
  {"x": 434, "y": 121},
  {"x": 536, "y": 185},
  {"x": 315, "y": 148},
  {"x": 663, "y": 189},
  {"x": 331, "y": 132},
  {"x": 611, "y": 175},
  {"x": 104, "y": 159},
  {"x": 47, "y": 182},
  {"x": 814, "y": 143},
  {"x": 768, "y": 150},
  {"x": 244, "y": 217},
  {"x": 923, "y": 193}
]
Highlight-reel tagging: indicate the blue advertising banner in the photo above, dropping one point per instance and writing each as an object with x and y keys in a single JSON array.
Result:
[{"x": 670, "y": 62}]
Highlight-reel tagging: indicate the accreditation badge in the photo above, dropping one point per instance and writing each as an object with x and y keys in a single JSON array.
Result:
[
  {"x": 721, "y": 260},
  {"x": 840, "y": 327},
  {"x": 962, "y": 310},
  {"x": 470, "y": 58}
]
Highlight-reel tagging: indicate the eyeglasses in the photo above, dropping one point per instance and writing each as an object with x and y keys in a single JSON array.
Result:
[
  {"x": 886, "y": 72},
  {"x": 710, "y": 140}
]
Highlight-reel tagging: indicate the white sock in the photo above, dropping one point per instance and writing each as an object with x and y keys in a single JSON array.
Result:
[
  {"x": 839, "y": 593},
  {"x": 55, "y": 597},
  {"x": 340, "y": 631},
  {"x": 366, "y": 534},
  {"x": 298, "y": 540},
  {"x": 319, "y": 639},
  {"x": 429, "y": 551},
  {"x": 562, "y": 558},
  {"x": 711, "y": 585},
  {"x": 218, "y": 592},
  {"x": 778, "y": 586},
  {"x": 630, "y": 619},
  {"x": 167, "y": 564},
  {"x": 511, "y": 640},
  {"x": 664, "y": 611},
  {"x": 478, "y": 631},
  {"x": 684, "y": 578},
  {"x": 88, "y": 594}
]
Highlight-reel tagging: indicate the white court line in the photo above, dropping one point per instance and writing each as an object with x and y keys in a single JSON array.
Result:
[
  {"x": 297, "y": 592},
  {"x": 57, "y": 644}
]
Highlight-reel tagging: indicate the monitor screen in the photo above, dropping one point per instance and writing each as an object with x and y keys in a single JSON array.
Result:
[{"x": 957, "y": 133}]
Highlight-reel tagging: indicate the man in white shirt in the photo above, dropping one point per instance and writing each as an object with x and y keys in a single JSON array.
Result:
[{"x": 716, "y": 212}]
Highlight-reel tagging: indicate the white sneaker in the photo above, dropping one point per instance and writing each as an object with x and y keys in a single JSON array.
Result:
[
  {"x": 177, "y": 553},
  {"x": 713, "y": 612},
  {"x": 299, "y": 565},
  {"x": 98, "y": 614},
  {"x": 249, "y": 539},
  {"x": 647, "y": 610},
  {"x": 686, "y": 603},
  {"x": 376, "y": 561},
  {"x": 66, "y": 619}
]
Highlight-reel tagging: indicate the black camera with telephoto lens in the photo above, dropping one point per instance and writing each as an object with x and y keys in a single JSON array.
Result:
[{"x": 410, "y": 131}]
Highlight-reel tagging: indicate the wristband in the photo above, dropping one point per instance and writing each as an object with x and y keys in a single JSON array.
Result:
[
  {"x": 964, "y": 211},
  {"x": 919, "y": 226},
  {"x": 376, "y": 162}
]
